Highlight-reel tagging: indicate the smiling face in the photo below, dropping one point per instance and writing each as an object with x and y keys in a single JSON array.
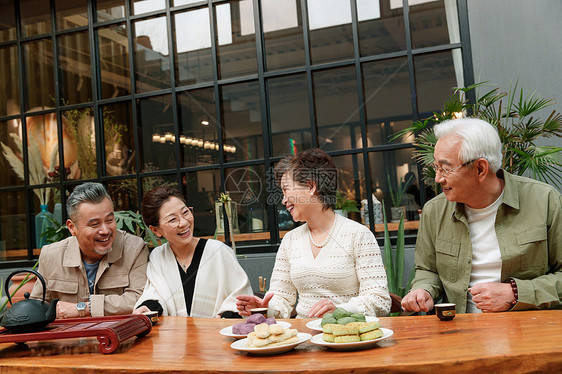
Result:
[
  {"x": 298, "y": 198},
  {"x": 462, "y": 184},
  {"x": 94, "y": 228},
  {"x": 175, "y": 223}
]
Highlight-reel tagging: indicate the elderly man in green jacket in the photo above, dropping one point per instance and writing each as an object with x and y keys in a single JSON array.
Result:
[{"x": 492, "y": 241}]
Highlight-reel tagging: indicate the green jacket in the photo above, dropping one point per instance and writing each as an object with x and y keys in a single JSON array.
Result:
[{"x": 529, "y": 231}]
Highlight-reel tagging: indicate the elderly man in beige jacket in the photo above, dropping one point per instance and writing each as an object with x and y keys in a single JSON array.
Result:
[{"x": 97, "y": 271}]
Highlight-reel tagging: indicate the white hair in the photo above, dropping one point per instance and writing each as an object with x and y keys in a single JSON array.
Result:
[{"x": 478, "y": 139}]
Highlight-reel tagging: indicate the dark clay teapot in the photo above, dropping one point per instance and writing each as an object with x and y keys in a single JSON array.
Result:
[{"x": 28, "y": 315}]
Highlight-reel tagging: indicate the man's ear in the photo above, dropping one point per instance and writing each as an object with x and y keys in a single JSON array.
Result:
[
  {"x": 155, "y": 230},
  {"x": 71, "y": 227},
  {"x": 482, "y": 167}
]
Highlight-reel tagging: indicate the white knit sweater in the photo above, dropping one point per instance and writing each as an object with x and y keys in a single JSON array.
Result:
[{"x": 348, "y": 271}]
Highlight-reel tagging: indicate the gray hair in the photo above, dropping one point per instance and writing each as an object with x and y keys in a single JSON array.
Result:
[
  {"x": 478, "y": 139},
  {"x": 89, "y": 192}
]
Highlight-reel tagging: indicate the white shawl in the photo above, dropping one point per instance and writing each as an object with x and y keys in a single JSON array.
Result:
[{"x": 220, "y": 278}]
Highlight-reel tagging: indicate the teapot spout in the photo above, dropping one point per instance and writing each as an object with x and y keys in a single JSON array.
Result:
[{"x": 51, "y": 313}]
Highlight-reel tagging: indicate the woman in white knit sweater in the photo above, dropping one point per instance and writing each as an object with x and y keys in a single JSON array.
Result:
[{"x": 330, "y": 261}]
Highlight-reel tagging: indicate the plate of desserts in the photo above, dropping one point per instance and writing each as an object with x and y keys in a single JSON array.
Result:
[
  {"x": 270, "y": 339},
  {"x": 242, "y": 329},
  {"x": 340, "y": 316},
  {"x": 352, "y": 341}
]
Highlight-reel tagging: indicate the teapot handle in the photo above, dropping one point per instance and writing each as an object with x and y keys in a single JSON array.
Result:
[{"x": 39, "y": 276}]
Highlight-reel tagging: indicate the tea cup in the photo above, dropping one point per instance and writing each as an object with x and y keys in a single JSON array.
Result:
[{"x": 445, "y": 311}]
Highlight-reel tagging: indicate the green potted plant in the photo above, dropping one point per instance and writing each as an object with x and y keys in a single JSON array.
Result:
[
  {"x": 517, "y": 121},
  {"x": 398, "y": 210},
  {"x": 345, "y": 205}
]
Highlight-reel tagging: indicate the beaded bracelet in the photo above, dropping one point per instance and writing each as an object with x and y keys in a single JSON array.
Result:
[
  {"x": 90, "y": 304},
  {"x": 514, "y": 289}
]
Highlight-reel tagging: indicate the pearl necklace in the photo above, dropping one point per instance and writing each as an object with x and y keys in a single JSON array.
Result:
[{"x": 327, "y": 237}]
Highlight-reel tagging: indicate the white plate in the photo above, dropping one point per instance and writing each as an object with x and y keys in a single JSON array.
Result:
[
  {"x": 317, "y": 339},
  {"x": 315, "y": 324},
  {"x": 227, "y": 331},
  {"x": 240, "y": 345}
]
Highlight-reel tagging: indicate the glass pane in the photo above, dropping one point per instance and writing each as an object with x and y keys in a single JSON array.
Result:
[
  {"x": 337, "y": 112},
  {"x": 381, "y": 29},
  {"x": 123, "y": 192},
  {"x": 81, "y": 139},
  {"x": 156, "y": 117},
  {"x": 11, "y": 156},
  {"x": 433, "y": 22},
  {"x": 145, "y": 6},
  {"x": 7, "y": 21},
  {"x": 152, "y": 64},
  {"x": 42, "y": 148},
  {"x": 390, "y": 170},
  {"x": 289, "y": 114},
  {"x": 35, "y": 17},
  {"x": 149, "y": 183},
  {"x": 242, "y": 126},
  {"x": 74, "y": 68},
  {"x": 387, "y": 96},
  {"x": 245, "y": 186},
  {"x": 71, "y": 13},
  {"x": 236, "y": 44},
  {"x": 198, "y": 125},
  {"x": 183, "y": 2},
  {"x": 13, "y": 226},
  {"x": 114, "y": 61},
  {"x": 331, "y": 34},
  {"x": 202, "y": 189},
  {"x": 282, "y": 28},
  {"x": 9, "y": 76},
  {"x": 380, "y": 133},
  {"x": 436, "y": 77},
  {"x": 351, "y": 181},
  {"x": 110, "y": 9},
  {"x": 193, "y": 59},
  {"x": 120, "y": 155},
  {"x": 39, "y": 74}
]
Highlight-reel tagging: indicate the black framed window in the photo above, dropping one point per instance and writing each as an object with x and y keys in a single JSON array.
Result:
[{"x": 208, "y": 95}]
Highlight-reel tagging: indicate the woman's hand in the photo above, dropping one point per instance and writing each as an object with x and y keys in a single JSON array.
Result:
[
  {"x": 245, "y": 303},
  {"x": 141, "y": 309},
  {"x": 320, "y": 308}
]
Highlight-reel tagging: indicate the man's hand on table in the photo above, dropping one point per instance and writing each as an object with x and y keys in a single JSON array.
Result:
[
  {"x": 418, "y": 300},
  {"x": 492, "y": 297},
  {"x": 68, "y": 310}
]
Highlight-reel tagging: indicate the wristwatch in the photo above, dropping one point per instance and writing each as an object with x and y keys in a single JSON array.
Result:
[{"x": 81, "y": 307}]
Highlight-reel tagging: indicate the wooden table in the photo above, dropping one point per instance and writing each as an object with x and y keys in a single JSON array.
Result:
[{"x": 483, "y": 343}]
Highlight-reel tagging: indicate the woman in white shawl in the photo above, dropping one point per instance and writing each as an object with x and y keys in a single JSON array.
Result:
[{"x": 187, "y": 276}]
